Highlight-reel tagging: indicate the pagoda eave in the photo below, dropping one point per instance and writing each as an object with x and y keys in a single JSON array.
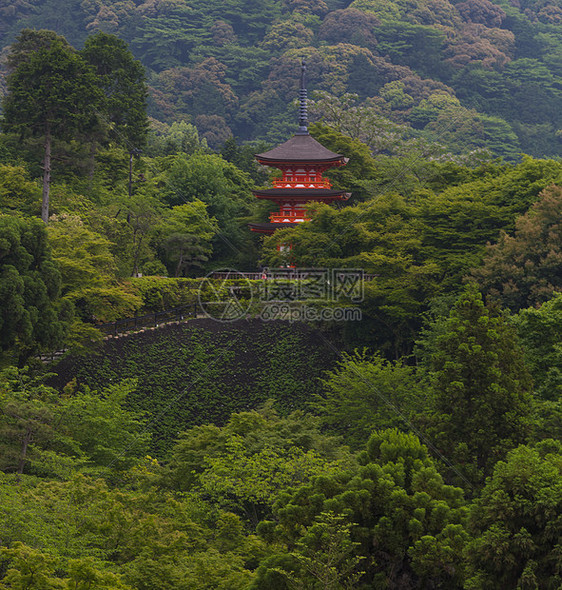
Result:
[
  {"x": 302, "y": 195},
  {"x": 282, "y": 163},
  {"x": 269, "y": 228}
]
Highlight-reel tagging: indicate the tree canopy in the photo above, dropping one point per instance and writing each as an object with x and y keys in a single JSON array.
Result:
[
  {"x": 52, "y": 94},
  {"x": 31, "y": 315}
]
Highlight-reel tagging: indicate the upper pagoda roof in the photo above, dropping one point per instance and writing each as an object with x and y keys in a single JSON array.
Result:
[
  {"x": 301, "y": 194},
  {"x": 300, "y": 148}
]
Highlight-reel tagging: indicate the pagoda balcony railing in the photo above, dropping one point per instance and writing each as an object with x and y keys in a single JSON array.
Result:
[
  {"x": 302, "y": 183},
  {"x": 287, "y": 218}
]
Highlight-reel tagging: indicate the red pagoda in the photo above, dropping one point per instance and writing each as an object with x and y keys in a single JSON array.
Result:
[{"x": 302, "y": 161}]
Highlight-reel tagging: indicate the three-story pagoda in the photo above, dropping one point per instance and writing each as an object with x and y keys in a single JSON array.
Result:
[{"x": 302, "y": 161}]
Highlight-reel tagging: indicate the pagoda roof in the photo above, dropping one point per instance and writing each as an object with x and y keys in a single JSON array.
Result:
[
  {"x": 269, "y": 228},
  {"x": 301, "y": 194},
  {"x": 301, "y": 148}
]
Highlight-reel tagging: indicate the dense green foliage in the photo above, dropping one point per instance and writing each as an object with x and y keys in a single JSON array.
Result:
[
  {"x": 31, "y": 315},
  {"x": 254, "y": 454},
  {"x": 482, "y": 401},
  {"x": 121, "y": 79},
  {"x": 442, "y": 77},
  {"x": 526, "y": 486},
  {"x": 399, "y": 512}
]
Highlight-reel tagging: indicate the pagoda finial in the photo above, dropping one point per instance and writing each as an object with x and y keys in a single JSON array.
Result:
[{"x": 303, "y": 114}]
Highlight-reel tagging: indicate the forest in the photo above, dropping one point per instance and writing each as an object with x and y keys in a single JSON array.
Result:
[
  {"x": 442, "y": 78},
  {"x": 418, "y": 448}
]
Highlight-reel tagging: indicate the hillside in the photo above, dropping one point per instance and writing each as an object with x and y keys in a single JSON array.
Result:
[
  {"x": 202, "y": 371},
  {"x": 432, "y": 76}
]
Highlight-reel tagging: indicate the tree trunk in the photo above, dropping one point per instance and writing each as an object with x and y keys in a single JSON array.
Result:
[
  {"x": 92, "y": 164},
  {"x": 180, "y": 263},
  {"x": 136, "y": 256},
  {"x": 46, "y": 177},
  {"x": 25, "y": 443}
]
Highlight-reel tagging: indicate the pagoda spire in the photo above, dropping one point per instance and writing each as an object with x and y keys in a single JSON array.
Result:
[{"x": 303, "y": 113}]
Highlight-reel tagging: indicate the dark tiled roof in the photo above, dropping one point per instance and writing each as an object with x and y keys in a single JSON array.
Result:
[
  {"x": 299, "y": 193},
  {"x": 269, "y": 227},
  {"x": 300, "y": 148}
]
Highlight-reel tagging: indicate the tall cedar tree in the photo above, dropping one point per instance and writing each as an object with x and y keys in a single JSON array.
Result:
[
  {"x": 122, "y": 81},
  {"x": 52, "y": 94},
  {"x": 482, "y": 399}
]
